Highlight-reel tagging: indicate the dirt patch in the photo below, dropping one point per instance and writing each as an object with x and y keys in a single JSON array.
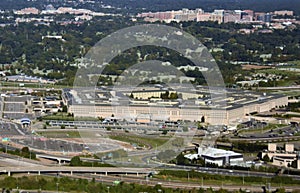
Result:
[{"x": 255, "y": 67}]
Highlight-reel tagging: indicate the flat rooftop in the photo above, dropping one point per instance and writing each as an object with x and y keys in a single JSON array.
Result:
[
  {"x": 230, "y": 99},
  {"x": 218, "y": 153}
]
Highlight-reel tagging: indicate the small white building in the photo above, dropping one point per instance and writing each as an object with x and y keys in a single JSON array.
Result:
[
  {"x": 220, "y": 157},
  {"x": 216, "y": 156}
]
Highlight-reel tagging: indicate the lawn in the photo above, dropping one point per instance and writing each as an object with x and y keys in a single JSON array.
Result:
[
  {"x": 140, "y": 140},
  {"x": 60, "y": 134}
]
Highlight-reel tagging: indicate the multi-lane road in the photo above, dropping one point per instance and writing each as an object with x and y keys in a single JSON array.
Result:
[
  {"x": 8, "y": 129},
  {"x": 138, "y": 175},
  {"x": 187, "y": 184}
]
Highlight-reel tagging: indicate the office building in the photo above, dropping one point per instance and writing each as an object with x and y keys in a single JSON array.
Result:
[{"x": 191, "y": 105}]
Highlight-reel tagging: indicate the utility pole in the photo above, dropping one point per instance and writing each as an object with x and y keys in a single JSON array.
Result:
[{"x": 57, "y": 186}]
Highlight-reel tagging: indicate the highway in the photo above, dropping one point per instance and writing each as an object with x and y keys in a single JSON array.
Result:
[
  {"x": 109, "y": 179},
  {"x": 16, "y": 161},
  {"x": 228, "y": 172},
  {"x": 135, "y": 175},
  {"x": 159, "y": 166},
  {"x": 280, "y": 88},
  {"x": 146, "y": 167},
  {"x": 267, "y": 139}
]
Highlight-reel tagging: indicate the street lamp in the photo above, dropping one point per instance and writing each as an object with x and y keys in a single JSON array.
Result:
[{"x": 57, "y": 186}]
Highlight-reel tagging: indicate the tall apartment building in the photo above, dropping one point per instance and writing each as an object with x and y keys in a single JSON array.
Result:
[
  {"x": 264, "y": 17},
  {"x": 232, "y": 16}
]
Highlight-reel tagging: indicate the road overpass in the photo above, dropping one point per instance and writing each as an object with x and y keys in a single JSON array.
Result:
[
  {"x": 59, "y": 159},
  {"x": 70, "y": 170}
]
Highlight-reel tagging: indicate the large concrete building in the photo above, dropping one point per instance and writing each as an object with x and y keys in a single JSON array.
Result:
[{"x": 191, "y": 105}]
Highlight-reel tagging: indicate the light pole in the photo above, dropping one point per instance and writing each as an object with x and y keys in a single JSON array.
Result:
[
  {"x": 57, "y": 186},
  {"x": 243, "y": 180}
]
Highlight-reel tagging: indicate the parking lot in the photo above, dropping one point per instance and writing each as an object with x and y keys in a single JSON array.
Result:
[
  {"x": 278, "y": 132},
  {"x": 117, "y": 125},
  {"x": 50, "y": 145},
  {"x": 41, "y": 143}
]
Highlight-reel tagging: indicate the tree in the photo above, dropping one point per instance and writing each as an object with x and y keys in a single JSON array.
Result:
[
  {"x": 65, "y": 108},
  {"x": 75, "y": 161},
  {"x": 181, "y": 160},
  {"x": 164, "y": 132},
  {"x": 202, "y": 119},
  {"x": 164, "y": 95},
  {"x": 173, "y": 96},
  {"x": 280, "y": 190},
  {"x": 25, "y": 150},
  {"x": 266, "y": 158}
]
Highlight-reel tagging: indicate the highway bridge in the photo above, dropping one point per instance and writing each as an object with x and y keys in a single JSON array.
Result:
[
  {"x": 70, "y": 170},
  {"x": 59, "y": 159}
]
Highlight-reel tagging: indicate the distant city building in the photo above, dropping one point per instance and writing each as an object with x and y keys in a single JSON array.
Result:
[
  {"x": 27, "y": 11},
  {"x": 218, "y": 15},
  {"x": 249, "y": 12},
  {"x": 204, "y": 17},
  {"x": 181, "y": 15},
  {"x": 267, "y": 18},
  {"x": 264, "y": 17},
  {"x": 247, "y": 15},
  {"x": 284, "y": 12},
  {"x": 83, "y": 14},
  {"x": 232, "y": 16}
]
